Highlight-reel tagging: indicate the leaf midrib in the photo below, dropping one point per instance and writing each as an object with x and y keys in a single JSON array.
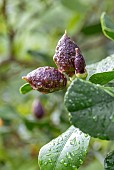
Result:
[
  {"x": 92, "y": 105},
  {"x": 63, "y": 148},
  {"x": 89, "y": 106}
]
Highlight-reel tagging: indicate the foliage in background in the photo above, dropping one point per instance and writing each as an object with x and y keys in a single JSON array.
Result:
[{"x": 29, "y": 31}]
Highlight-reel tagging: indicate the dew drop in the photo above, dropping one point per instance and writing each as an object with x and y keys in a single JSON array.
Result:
[
  {"x": 82, "y": 104},
  {"x": 61, "y": 80},
  {"x": 45, "y": 163},
  {"x": 111, "y": 118},
  {"x": 49, "y": 149},
  {"x": 73, "y": 166},
  {"x": 72, "y": 154},
  {"x": 65, "y": 164},
  {"x": 70, "y": 101},
  {"x": 48, "y": 154},
  {"x": 39, "y": 83},
  {"x": 62, "y": 161},
  {"x": 73, "y": 94},
  {"x": 73, "y": 105},
  {"x": 91, "y": 88},
  {"x": 69, "y": 155},
  {"x": 81, "y": 161},
  {"x": 49, "y": 160},
  {"x": 95, "y": 118},
  {"x": 53, "y": 143},
  {"x": 73, "y": 142},
  {"x": 80, "y": 133},
  {"x": 86, "y": 135}
]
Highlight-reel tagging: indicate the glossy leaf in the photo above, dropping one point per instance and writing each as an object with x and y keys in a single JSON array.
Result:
[
  {"x": 66, "y": 152},
  {"x": 25, "y": 88},
  {"x": 109, "y": 161},
  {"x": 107, "y": 26},
  {"x": 102, "y": 78},
  {"x": 104, "y": 65},
  {"x": 92, "y": 29},
  {"x": 92, "y": 108}
]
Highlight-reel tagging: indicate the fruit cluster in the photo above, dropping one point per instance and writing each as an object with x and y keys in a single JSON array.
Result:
[{"x": 68, "y": 59}]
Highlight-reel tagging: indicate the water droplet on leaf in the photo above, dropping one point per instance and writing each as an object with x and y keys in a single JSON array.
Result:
[
  {"x": 45, "y": 163},
  {"x": 65, "y": 164},
  {"x": 49, "y": 160},
  {"x": 81, "y": 161},
  {"x": 62, "y": 161}
]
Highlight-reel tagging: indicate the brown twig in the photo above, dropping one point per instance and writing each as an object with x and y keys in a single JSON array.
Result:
[
  {"x": 3, "y": 10},
  {"x": 10, "y": 31}
]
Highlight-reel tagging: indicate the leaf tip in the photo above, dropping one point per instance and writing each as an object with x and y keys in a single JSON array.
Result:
[{"x": 25, "y": 88}]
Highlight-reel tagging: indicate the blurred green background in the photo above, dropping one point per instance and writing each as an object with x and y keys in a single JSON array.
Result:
[{"x": 29, "y": 32}]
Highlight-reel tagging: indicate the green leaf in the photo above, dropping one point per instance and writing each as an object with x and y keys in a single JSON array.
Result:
[
  {"x": 109, "y": 161},
  {"x": 75, "y": 5},
  {"x": 25, "y": 88},
  {"x": 31, "y": 124},
  {"x": 107, "y": 26},
  {"x": 102, "y": 78},
  {"x": 104, "y": 65},
  {"x": 8, "y": 113},
  {"x": 92, "y": 108},
  {"x": 92, "y": 29},
  {"x": 109, "y": 90},
  {"x": 41, "y": 57},
  {"x": 66, "y": 152}
]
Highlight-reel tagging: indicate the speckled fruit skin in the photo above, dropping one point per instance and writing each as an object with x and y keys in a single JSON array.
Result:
[
  {"x": 79, "y": 62},
  {"x": 37, "y": 109},
  {"x": 65, "y": 54},
  {"x": 46, "y": 79}
]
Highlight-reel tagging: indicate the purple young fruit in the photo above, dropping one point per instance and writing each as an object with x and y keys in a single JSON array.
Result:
[
  {"x": 37, "y": 109},
  {"x": 65, "y": 55},
  {"x": 46, "y": 79},
  {"x": 80, "y": 65}
]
